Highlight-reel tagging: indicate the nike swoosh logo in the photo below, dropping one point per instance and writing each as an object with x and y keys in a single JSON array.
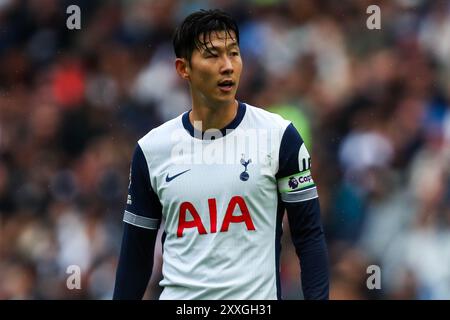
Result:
[{"x": 168, "y": 179}]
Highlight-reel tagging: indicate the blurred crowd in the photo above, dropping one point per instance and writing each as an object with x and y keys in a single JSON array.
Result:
[{"x": 372, "y": 106}]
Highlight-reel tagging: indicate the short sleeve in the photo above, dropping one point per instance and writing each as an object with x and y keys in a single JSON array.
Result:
[
  {"x": 143, "y": 208},
  {"x": 295, "y": 183}
]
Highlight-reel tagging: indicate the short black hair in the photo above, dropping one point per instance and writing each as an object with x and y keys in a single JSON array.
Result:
[{"x": 201, "y": 23}]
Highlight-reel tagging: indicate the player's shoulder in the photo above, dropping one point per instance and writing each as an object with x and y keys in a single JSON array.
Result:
[
  {"x": 159, "y": 136},
  {"x": 259, "y": 117}
]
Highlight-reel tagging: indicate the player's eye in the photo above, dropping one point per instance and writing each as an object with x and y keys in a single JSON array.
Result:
[{"x": 235, "y": 53}]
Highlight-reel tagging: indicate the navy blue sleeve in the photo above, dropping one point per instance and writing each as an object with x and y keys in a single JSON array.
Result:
[
  {"x": 135, "y": 263},
  {"x": 142, "y": 201},
  {"x": 299, "y": 194},
  {"x": 142, "y": 218}
]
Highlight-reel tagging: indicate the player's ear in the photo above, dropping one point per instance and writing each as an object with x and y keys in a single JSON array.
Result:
[{"x": 182, "y": 67}]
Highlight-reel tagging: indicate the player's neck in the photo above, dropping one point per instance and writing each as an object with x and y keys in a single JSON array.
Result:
[{"x": 212, "y": 117}]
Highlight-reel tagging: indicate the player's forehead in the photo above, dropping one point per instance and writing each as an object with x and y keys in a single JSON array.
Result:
[{"x": 216, "y": 39}]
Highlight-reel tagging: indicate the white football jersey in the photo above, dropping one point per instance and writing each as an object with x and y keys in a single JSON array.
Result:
[{"x": 220, "y": 195}]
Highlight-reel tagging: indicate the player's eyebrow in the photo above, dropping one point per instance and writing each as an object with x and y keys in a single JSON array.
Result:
[
  {"x": 214, "y": 48},
  {"x": 210, "y": 48}
]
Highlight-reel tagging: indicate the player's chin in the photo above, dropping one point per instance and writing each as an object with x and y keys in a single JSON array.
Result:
[{"x": 225, "y": 99}]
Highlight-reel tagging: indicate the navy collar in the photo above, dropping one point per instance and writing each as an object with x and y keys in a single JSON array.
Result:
[{"x": 231, "y": 126}]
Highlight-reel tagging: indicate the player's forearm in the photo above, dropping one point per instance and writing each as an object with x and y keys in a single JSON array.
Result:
[
  {"x": 309, "y": 241},
  {"x": 314, "y": 270},
  {"x": 135, "y": 263}
]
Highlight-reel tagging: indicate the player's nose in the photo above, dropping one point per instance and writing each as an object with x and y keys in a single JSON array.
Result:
[{"x": 227, "y": 66}]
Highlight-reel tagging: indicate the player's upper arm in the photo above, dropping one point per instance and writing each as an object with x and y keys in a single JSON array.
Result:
[
  {"x": 143, "y": 208},
  {"x": 295, "y": 183}
]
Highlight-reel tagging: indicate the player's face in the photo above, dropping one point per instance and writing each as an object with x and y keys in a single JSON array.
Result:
[{"x": 214, "y": 74}]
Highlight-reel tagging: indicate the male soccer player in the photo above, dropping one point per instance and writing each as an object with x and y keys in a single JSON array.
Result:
[{"x": 222, "y": 200}]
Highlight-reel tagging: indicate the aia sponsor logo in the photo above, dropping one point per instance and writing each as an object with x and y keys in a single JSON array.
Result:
[{"x": 196, "y": 222}]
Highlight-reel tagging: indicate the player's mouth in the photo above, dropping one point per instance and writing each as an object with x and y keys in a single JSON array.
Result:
[{"x": 226, "y": 85}]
